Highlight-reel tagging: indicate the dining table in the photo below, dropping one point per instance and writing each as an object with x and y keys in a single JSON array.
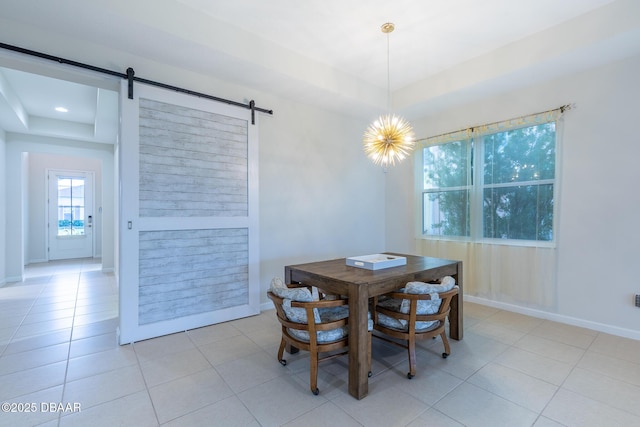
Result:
[{"x": 360, "y": 284}]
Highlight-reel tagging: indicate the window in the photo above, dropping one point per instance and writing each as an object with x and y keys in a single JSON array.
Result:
[
  {"x": 518, "y": 183},
  {"x": 447, "y": 189},
  {"x": 489, "y": 184},
  {"x": 70, "y": 206}
]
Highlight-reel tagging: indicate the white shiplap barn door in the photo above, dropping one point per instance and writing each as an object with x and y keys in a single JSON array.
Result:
[{"x": 188, "y": 223}]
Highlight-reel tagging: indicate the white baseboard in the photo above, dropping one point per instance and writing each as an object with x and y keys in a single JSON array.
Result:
[
  {"x": 266, "y": 306},
  {"x": 600, "y": 327},
  {"x": 12, "y": 279}
]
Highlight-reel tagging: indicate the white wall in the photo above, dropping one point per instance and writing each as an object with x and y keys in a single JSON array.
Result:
[
  {"x": 597, "y": 232},
  {"x": 320, "y": 198}
]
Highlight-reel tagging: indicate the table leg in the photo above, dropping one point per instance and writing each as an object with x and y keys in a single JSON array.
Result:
[
  {"x": 288, "y": 279},
  {"x": 456, "y": 313},
  {"x": 358, "y": 341}
]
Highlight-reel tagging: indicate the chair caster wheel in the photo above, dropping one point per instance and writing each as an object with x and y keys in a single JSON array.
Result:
[
  {"x": 445, "y": 355},
  {"x": 283, "y": 362},
  {"x": 409, "y": 376},
  {"x": 315, "y": 392},
  {"x": 369, "y": 374}
]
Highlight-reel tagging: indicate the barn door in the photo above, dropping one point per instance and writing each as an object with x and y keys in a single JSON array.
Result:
[{"x": 188, "y": 223}]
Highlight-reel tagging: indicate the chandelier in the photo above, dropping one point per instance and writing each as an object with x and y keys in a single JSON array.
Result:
[{"x": 390, "y": 138}]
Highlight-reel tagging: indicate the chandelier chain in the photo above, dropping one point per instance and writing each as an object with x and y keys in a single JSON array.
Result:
[
  {"x": 388, "y": 76},
  {"x": 389, "y": 139}
]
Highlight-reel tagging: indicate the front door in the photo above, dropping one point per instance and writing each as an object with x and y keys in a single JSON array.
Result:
[{"x": 70, "y": 217}]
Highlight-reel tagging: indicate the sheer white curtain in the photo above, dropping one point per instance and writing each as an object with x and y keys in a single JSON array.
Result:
[{"x": 517, "y": 274}]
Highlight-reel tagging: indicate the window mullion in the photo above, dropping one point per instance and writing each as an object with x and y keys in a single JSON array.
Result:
[
  {"x": 476, "y": 188},
  {"x": 520, "y": 183}
]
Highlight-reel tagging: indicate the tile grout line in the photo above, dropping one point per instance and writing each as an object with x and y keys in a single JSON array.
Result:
[
  {"x": 15, "y": 331},
  {"x": 508, "y": 346},
  {"x": 66, "y": 368},
  {"x": 144, "y": 380},
  {"x": 586, "y": 350},
  {"x": 235, "y": 394},
  {"x": 560, "y": 386}
]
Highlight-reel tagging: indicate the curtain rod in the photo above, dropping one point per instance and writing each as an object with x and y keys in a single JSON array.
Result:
[
  {"x": 130, "y": 75},
  {"x": 562, "y": 109}
]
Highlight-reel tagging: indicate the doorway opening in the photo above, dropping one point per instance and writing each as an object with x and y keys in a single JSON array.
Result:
[
  {"x": 70, "y": 214},
  {"x": 38, "y": 138},
  {"x": 67, "y": 222}
]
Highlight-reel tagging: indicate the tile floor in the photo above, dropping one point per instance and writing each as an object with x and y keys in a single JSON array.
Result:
[{"x": 58, "y": 349}]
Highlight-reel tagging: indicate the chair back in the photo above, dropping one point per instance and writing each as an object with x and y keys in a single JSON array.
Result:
[
  {"x": 411, "y": 304},
  {"x": 290, "y": 320}
]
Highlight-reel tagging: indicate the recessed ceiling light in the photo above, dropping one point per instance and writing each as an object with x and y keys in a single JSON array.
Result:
[{"x": 61, "y": 110}]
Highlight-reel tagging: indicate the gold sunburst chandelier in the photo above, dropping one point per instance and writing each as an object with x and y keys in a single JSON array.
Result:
[{"x": 390, "y": 138}]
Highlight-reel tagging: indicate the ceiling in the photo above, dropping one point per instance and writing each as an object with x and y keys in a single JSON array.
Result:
[
  {"x": 28, "y": 105},
  {"x": 328, "y": 53}
]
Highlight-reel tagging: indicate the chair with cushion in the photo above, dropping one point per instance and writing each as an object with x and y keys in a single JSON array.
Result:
[
  {"x": 418, "y": 311},
  {"x": 310, "y": 323}
]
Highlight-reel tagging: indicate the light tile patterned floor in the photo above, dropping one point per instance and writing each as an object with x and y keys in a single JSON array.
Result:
[{"x": 58, "y": 345}]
